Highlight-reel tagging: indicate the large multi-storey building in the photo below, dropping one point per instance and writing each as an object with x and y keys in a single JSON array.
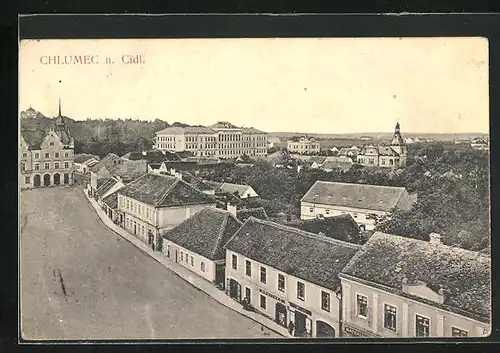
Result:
[
  {"x": 303, "y": 145},
  {"x": 392, "y": 156},
  {"x": 222, "y": 140},
  {"x": 46, "y": 157}
]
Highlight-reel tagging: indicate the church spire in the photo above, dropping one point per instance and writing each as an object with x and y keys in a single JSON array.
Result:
[{"x": 59, "y": 106}]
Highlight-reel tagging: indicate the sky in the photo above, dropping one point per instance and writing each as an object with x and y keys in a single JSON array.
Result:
[{"x": 316, "y": 85}]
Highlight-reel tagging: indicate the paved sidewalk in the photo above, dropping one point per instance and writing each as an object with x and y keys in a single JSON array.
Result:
[{"x": 186, "y": 274}]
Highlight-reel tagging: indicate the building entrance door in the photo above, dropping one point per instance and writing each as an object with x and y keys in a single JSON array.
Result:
[
  {"x": 46, "y": 180},
  {"x": 220, "y": 274},
  {"x": 234, "y": 289},
  {"x": 36, "y": 181},
  {"x": 323, "y": 329},
  {"x": 300, "y": 324},
  {"x": 66, "y": 178},
  {"x": 135, "y": 228},
  {"x": 57, "y": 179},
  {"x": 281, "y": 314}
]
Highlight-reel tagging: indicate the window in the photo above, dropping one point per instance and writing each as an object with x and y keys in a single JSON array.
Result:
[
  {"x": 128, "y": 205},
  {"x": 456, "y": 332},
  {"x": 390, "y": 317},
  {"x": 311, "y": 209},
  {"x": 234, "y": 262},
  {"x": 27, "y": 180},
  {"x": 263, "y": 274},
  {"x": 56, "y": 165},
  {"x": 66, "y": 165},
  {"x": 361, "y": 306},
  {"x": 248, "y": 266},
  {"x": 263, "y": 301},
  {"x": 23, "y": 167},
  {"x": 301, "y": 291},
  {"x": 46, "y": 166},
  {"x": 37, "y": 155},
  {"x": 354, "y": 215},
  {"x": 182, "y": 256},
  {"x": 391, "y": 162},
  {"x": 66, "y": 154},
  {"x": 57, "y": 155},
  {"x": 281, "y": 282},
  {"x": 25, "y": 155},
  {"x": 325, "y": 301},
  {"x": 421, "y": 326},
  {"x": 327, "y": 211},
  {"x": 147, "y": 212},
  {"x": 202, "y": 266},
  {"x": 47, "y": 155},
  {"x": 248, "y": 294},
  {"x": 192, "y": 261},
  {"x": 383, "y": 161},
  {"x": 37, "y": 166},
  {"x": 168, "y": 250},
  {"x": 52, "y": 143}
]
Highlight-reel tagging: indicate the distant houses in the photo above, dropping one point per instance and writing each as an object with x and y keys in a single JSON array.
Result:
[
  {"x": 365, "y": 203},
  {"x": 307, "y": 145},
  {"x": 392, "y": 156},
  {"x": 242, "y": 191}
]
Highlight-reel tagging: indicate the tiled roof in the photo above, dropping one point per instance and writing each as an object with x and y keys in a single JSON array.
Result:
[
  {"x": 111, "y": 200},
  {"x": 386, "y": 151},
  {"x": 33, "y": 138},
  {"x": 224, "y": 125},
  {"x": 107, "y": 161},
  {"x": 317, "y": 159},
  {"x": 232, "y": 188},
  {"x": 370, "y": 197},
  {"x": 205, "y": 233},
  {"x": 258, "y": 212},
  {"x": 186, "y": 130},
  {"x": 100, "y": 182},
  {"x": 463, "y": 275},
  {"x": 251, "y": 131},
  {"x": 313, "y": 258},
  {"x": 104, "y": 188},
  {"x": 164, "y": 191}
]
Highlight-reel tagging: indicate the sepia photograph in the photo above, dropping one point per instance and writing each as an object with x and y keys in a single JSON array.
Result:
[{"x": 254, "y": 188}]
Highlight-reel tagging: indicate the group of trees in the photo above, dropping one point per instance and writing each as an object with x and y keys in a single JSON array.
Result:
[{"x": 452, "y": 189}]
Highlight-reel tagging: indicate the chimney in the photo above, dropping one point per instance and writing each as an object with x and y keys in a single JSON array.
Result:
[
  {"x": 435, "y": 238},
  {"x": 231, "y": 209}
]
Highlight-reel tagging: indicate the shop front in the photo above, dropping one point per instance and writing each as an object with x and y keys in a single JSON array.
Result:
[
  {"x": 354, "y": 331},
  {"x": 280, "y": 308},
  {"x": 300, "y": 321}
]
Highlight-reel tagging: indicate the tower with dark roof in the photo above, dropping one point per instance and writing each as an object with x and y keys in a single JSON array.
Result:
[{"x": 398, "y": 144}]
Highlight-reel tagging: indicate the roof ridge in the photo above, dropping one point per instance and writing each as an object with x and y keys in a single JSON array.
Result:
[
  {"x": 372, "y": 185},
  {"x": 221, "y": 233},
  {"x": 165, "y": 194},
  {"x": 303, "y": 232}
]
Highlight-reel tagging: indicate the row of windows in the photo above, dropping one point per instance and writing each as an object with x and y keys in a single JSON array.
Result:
[
  {"x": 422, "y": 323},
  {"x": 166, "y": 138},
  {"x": 46, "y": 165},
  {"x": 187, "y": 257},
  {"x": 137, "y": 208},
  {"x": 327, "y": 211},
  {"x": 202, "y": 138},
  {"x": 36, "y": 155},
  {"x": 301, "y": 288}
]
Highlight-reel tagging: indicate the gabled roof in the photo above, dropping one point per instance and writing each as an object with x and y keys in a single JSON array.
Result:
[
  {"x": 164, "y": 191},
  {"x": 106, "y": 186},
  {"x": 83, "y": 157},
  {"x": 386, "y": 151},
  {"x": 111, "y": 200},
  {"x": 313, "y": 258},
  {"x": 258, "y": 212},
  {"x": 363, "y": 196},
  {"x": 338, "y": 227},
  {"x": 224, "y": 125},
  {"x": 205, "y": 233},
  {"x": 464, "y": 276},
  {"x": 107, "y": 161},
  {"x": 232, "y": 188}
]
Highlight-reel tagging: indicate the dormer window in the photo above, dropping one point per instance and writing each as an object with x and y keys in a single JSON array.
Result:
[{"x": 52, "y": 143}]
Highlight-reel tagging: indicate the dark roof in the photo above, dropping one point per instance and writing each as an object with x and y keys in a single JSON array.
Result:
[
  {"x": 371, "y": 197},
  {"x": 464, "y": 275},
  {"x": 205, "y": 233},
  {"x": 100, "y": 182},
  {"x": 224, "y": 125},
  {"x": 341, "y": 226},
  {"x": 33, "y": 138},
  {"x": 104, "y": 188},
  {"x": 258, "y": 212},
  {"x": 106, "y": 162},
  {"x": 164, "y": 191},
  {"x": 83, "y": 157},
  {"x": 313, "y": 258},
  {"x": 201, "y": 184},
  {"x": 125, "y": 169},
  {"x": 111, "y": 200},
  {"x": 386, "y": 151}
]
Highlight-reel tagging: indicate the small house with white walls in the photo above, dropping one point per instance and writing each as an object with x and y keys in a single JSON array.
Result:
[
  {"x": 198, "y": 243},
  {"x": 365, "y": 203},
  {"x": 242, "y": 191}
]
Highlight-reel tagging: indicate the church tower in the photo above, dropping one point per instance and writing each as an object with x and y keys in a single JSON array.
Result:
[
  {"x": 62, "y": 130},
  {"x": 398, "y": 144}
]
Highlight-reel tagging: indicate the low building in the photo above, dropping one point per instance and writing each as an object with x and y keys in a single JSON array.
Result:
[
  {"x": 304, "y": 144},
  {"x": 402, "y": 287},
  {"x": 242, "y": 191},
  {"x": 365, "y": 203},
  {"x": 246, "y": 213},
  {"x": 153, "y": 203},
  {"x": 198, "y": 243},
  {"x": 110, "y": 205},
  {"x": 83, "y": 162},
  {"x": 288, "y": 275},
  {"x": 107, "y": 187}
]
